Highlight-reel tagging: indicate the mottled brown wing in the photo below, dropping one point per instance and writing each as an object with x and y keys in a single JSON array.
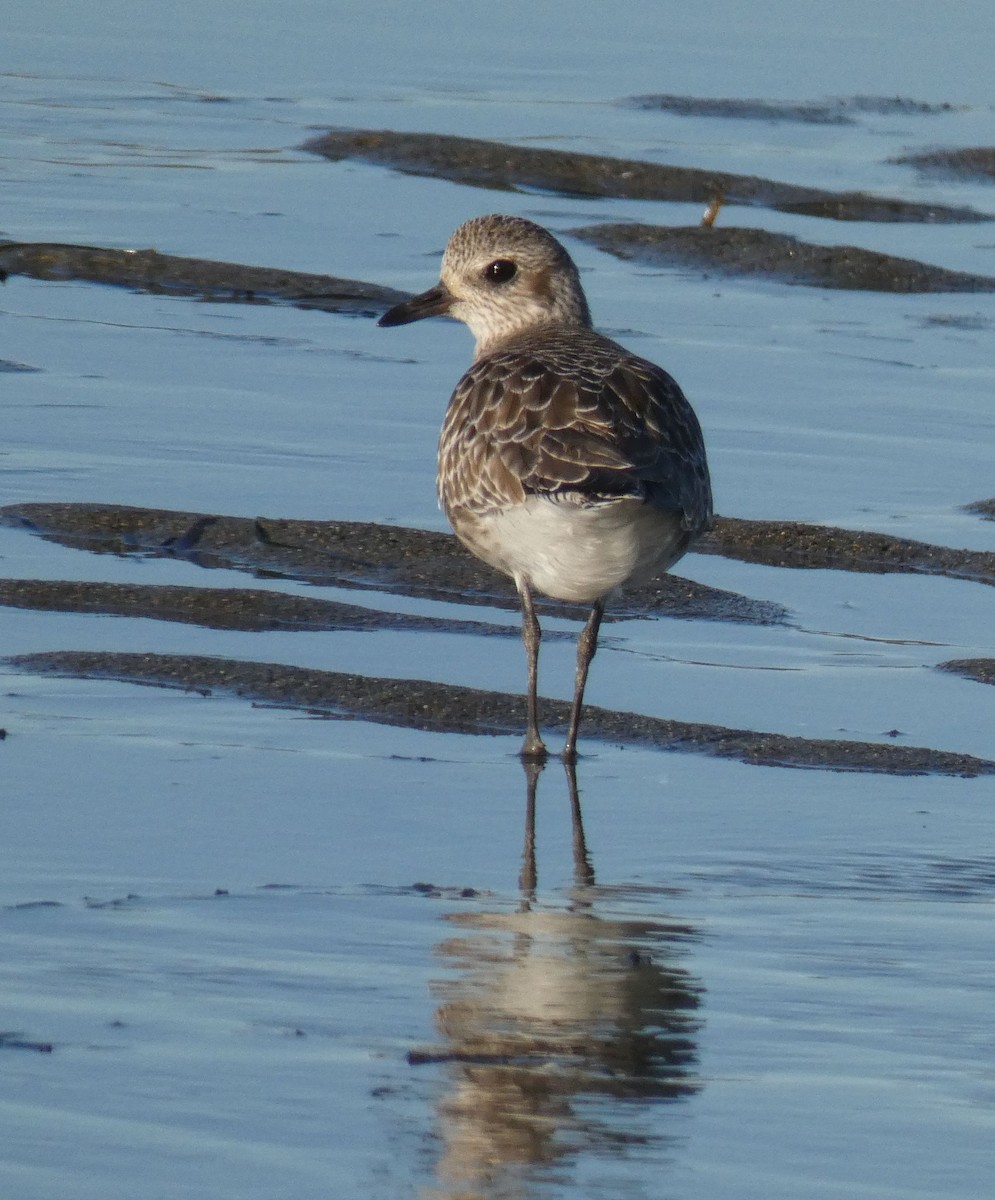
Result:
[{"x": 602, "y": 423}]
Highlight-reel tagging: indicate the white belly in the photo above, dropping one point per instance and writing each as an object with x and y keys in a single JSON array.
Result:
[{"x": 572, "y": 551}]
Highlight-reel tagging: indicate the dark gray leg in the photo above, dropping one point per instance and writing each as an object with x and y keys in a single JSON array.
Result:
[
  {"x": 587, "y": 645},
  {"x": 533, "y": 746}
]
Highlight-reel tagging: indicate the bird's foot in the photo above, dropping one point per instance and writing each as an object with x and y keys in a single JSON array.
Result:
[{"x": 534, "y": 749}]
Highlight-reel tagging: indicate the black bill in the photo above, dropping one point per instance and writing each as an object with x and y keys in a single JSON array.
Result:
[{"x": 433, "y": 303}]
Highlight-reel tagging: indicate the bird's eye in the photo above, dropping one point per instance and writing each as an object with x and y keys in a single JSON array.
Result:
[{"x": 500, "y": 270}]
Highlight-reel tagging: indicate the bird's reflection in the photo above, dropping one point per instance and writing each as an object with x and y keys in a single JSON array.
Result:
[{"x": 561, "y": 1027}]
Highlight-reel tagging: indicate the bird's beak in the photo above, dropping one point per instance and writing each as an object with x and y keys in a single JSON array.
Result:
[{"x": 433, "y": 303}]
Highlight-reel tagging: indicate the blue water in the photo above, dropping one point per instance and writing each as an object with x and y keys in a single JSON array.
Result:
[{"x": 834, "y": 931}]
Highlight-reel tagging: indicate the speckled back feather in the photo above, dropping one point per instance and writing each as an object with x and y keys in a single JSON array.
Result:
[{"x": 567, "y": 413}]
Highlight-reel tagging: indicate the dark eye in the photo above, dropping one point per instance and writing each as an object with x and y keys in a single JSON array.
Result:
[{"x": 500, "y": 271}]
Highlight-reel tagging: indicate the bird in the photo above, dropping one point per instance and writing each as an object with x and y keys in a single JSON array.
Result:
[{"x": 565, "y": 461}]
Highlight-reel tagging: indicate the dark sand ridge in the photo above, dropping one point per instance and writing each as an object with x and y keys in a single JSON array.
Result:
[
  {"x": 966, "y": 162},
  {"x": 983, "y": 508},
  {"x": 418, "y": 704},
  {"x": 505, "y": 167},
  {"x": 838, "y": 110},
  {"x": 797, "y": 544},
  {"x": 351, "y": 554},
  {"x": 249, "y": 609},
  {"x": 421, "y": 563},
  {"x": 149, "y": 271},
  {"x": 728, "y": 249},
  {"x": 733, "y": 250},
  {"x": 981, "y": 670},
  {"x": 431, "y": 565}
]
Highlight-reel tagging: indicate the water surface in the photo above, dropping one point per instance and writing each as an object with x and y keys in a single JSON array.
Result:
[{"x": 746, "y": 981}]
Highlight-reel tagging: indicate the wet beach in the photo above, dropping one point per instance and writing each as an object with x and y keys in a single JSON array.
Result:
[{"x": 282, "y": 912}]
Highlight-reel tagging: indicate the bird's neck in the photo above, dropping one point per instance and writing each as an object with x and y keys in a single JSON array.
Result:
[{"x": 492, "y": 341}]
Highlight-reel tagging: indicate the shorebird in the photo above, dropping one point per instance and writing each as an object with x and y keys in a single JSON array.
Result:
[{"x": 565, "y": 461}]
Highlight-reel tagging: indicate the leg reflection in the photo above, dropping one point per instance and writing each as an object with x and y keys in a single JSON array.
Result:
[
  {"x": 548, "y": 1008},
  {"x": 528, "y": 876},
  {"x": 583, "y": 870}
]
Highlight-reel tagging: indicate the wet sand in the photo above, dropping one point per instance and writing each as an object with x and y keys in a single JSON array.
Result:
[
  {"x": 841, "y": 110},
  {"x": 432, "y": 565},
  {"x": 209, "y": 903},
  {"x": 739, "y": 251},
  {"x": 150, "y": 271},
  {"x": 965, "y": 162},
  {"x": 981, "y": 670},
  {"x": 725, "y": 249},
  {"x": 505, "y": 167},
  {"x": 446, "y": 708},
  {"x": 983, "y": 508},
  {"x": 351, "y": 554},
  {"x": 418, "y": 562},
  {"x": 823, "y": 547},
  {"x": 249, "y": 609}
]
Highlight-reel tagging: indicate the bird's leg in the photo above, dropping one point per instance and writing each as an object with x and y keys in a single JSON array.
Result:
[
  {"x": 587, "y": 645},
  {"x": 533, "y": 746}
]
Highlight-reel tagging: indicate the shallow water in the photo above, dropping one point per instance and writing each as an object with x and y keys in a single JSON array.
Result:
[{"x": 758, "y": 981}]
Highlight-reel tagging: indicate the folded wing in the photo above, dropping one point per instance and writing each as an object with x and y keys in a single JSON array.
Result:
[{"x": 589, "y": 428}]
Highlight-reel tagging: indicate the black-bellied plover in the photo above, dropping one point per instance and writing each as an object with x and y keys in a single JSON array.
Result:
[{"x": 565, "y": 461}]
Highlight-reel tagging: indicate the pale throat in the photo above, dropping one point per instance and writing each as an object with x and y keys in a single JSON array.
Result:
[{"x": 499, "y": 324}]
